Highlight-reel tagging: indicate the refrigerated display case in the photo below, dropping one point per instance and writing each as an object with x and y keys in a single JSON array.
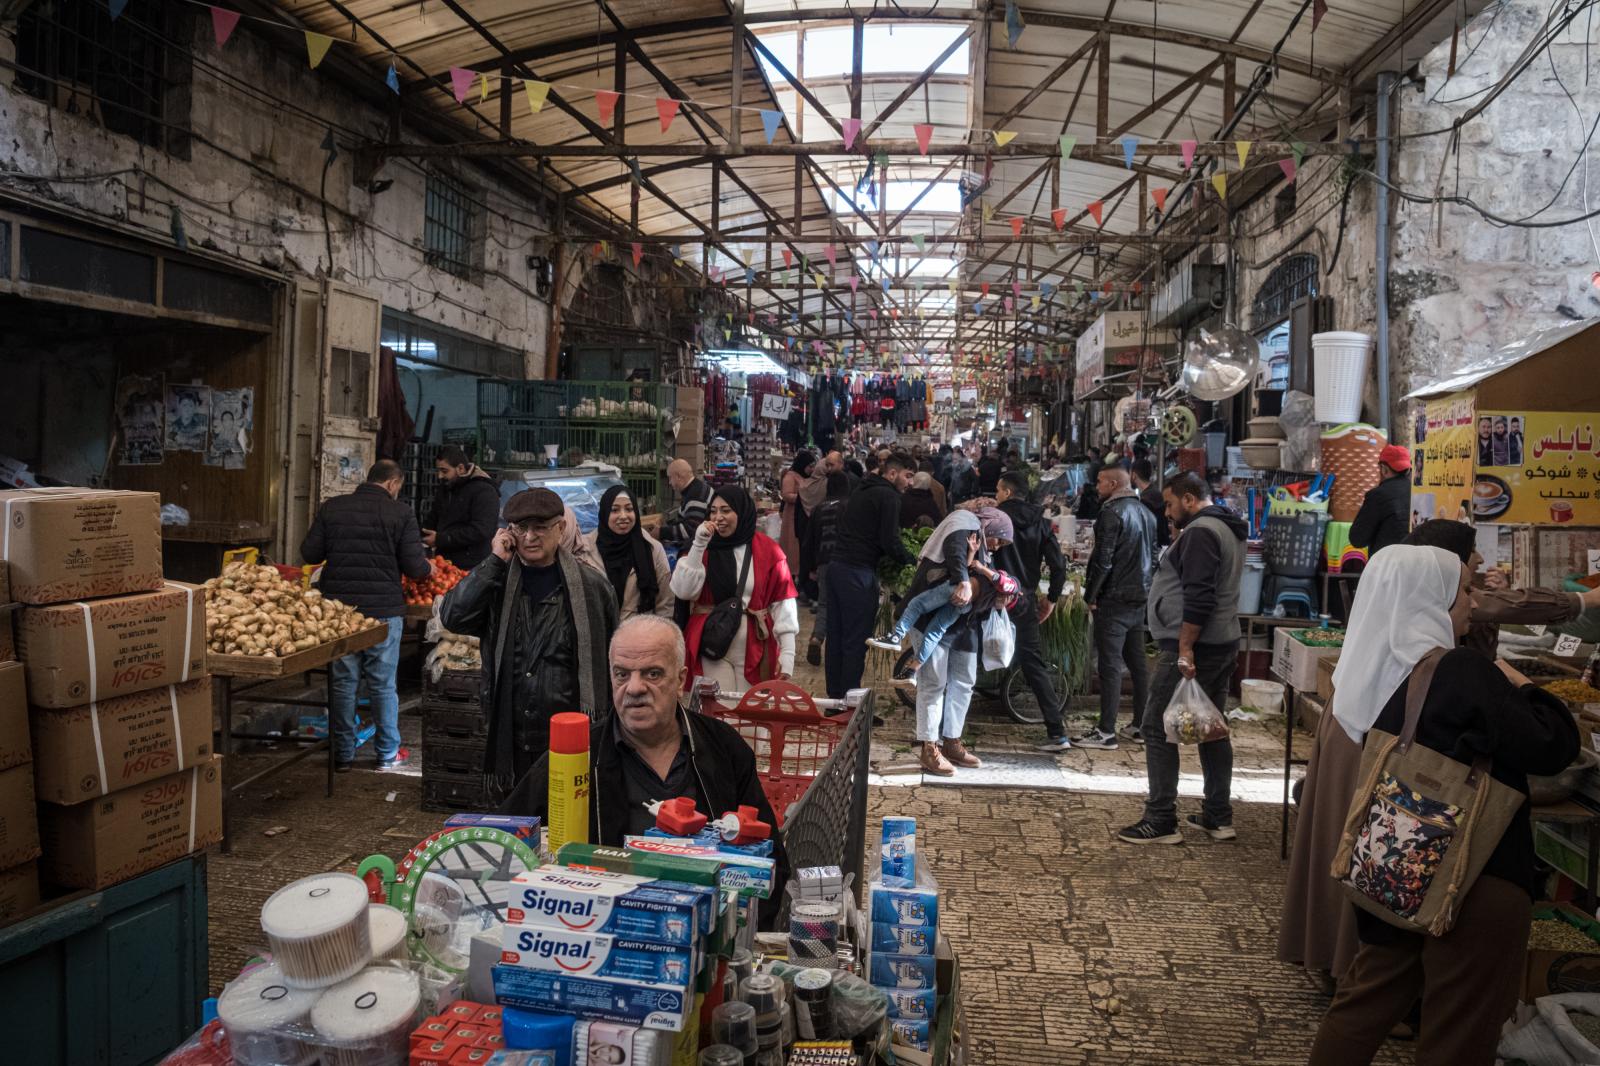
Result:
[{"x": 580, "y": 487}]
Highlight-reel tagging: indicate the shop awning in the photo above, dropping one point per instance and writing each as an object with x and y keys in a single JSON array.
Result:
[{"x": 1504, "y": 358}]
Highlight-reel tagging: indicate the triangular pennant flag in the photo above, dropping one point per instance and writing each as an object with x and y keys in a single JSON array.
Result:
[
  {"x": 749, "y": 276},
  {"x": 1243, "y": 148},
  {"x": 874, "y": 313},
  {"x": 855, "y": 282},
  {"x": 1048, "y": 288},
  {"x": 1130, "y": 144},
  {"x": 1097, "y": 209},
  {"x": 924, "y": 132},
  {"x": 1299, "y": 150},
  {"x": 1288, "y": 167},
  {"x": 988, "y": 212},
  {"x": 638, "y": 253},
  {"x": 1068, "y": 143},
  {"x": 1011, "y": 305},
  {"x": 833, "y": 256},
  {"x": 1219, "y": 181},
  {"x": 606, "y": 101},
  {"x": 1188, "y": 152},
  {"x": 820, "y": 283},
  {"x": 222, "y": 23},
  {"x": 1058, "y": 218},
  {"x": 392, "y": 79},
  {"x": 977, "y": 307},
  {"x": 747, "y": 255},
  {"x": 770, "y": 121},
  {"x": 1319, "y": 8},
  {"x": 1035, "y": 301},
  {"x": 921, "y": 241},
  {"x": 882, "y": 159},
  {"x": 985, "y": 287},
  {"x": 483, "y": 88},
  {"x": 1014, "y": 24},
  {"x": 885, "y": 280},
  {"x": 666, "y": 110},
  {"x": 537, "y": 92},
  {"x": 316, "y": 46},
  {"x": 1016, "y": 226},
  {"x": 788, "y": 257},
  {"x": 850, "y": 127},
  {"x": 461, "y": 80},
  {"x": 1004, "y": 137},
  {"x": 1160, "y": 197},
  {"x": 951, "y": 286},
  {"x": 872, "y": 249}
]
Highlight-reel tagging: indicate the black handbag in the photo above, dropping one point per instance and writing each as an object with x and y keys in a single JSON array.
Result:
[{"x": 722, "y": 621}]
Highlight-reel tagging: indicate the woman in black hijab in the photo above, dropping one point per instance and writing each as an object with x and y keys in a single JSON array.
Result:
[
  {"x": 793, "y": 532},
  {"x": 633, "y": 560}
]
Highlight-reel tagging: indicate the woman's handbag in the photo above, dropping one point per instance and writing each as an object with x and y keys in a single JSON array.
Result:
[
  {"x": 722, "y": 621},
  {"x": 999, "y": 640},
  {"x": 1422, "y": 825}
]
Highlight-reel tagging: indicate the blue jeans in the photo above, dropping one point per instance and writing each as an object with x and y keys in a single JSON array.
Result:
[
  {"x": 378, "y": 665},
  {"x": 933, "y": 609}
]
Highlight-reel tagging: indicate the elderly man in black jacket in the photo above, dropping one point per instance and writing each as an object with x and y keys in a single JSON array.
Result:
[
  {"x": 366, "y": 540},
  {"x": 1117, "y": 590},
  {"x": 1033, "y": 548},
  {"x": 869, "y": 531},
  {"x": 465, "y": 511},
  {"x": 542, "y": 619}
]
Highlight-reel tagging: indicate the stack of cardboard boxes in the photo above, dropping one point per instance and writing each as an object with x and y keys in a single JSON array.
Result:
[
  {"x": 107, "y": 718},
  {"x": 19, "y": 829},
  {"x": 690, "y": 444}
]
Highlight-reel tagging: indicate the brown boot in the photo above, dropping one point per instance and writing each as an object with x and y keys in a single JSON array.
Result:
[
  {"x": 958, "y": 754},
  {"x": 933, "y": 760}
]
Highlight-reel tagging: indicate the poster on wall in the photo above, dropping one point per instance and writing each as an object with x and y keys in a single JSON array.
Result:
[
  {"x": 775, "y": 406},
  {"x": 188, "y": 417},
  {"x": 141, "y": 419},
  {"x": 1442, "y": 457},
  {"x": 1538, "y": 467},
  {"x": 231, "y": 423}
]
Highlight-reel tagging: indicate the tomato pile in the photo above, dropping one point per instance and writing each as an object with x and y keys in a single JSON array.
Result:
[{"x": 446, "y": 575}]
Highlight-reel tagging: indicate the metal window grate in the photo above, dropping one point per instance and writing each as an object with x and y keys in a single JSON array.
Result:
[
  {"x": 119, "y": 74},
  {"x": 447, "y": 224},
  {"x": 1290, "y": 280}
]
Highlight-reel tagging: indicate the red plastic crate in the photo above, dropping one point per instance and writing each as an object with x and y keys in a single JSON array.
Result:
[{"x": 791, "y": 738}]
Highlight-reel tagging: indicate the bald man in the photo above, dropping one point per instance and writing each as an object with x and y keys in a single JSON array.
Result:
[
  {"x": 694, "y": 502},
  {"x": 833, "y": 463}
]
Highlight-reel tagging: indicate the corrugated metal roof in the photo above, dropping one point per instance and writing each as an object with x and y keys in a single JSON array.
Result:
[{"x": 1505, "y": 358}]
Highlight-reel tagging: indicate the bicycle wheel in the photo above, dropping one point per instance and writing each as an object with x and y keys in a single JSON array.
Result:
[
  {"x": 907, "y": 696},
  {"x": 1021, "y": 704}
]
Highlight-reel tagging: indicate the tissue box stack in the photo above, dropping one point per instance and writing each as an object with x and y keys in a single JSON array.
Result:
[{"x": 903, "y": 931}]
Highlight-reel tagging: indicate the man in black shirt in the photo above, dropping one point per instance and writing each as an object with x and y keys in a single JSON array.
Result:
[
  {"x": 869, "y": 531},
  {"x": 1033, "y": 548},
  {"x": 465, "y": 511},
  {"x": 990, "y": 468},
  {"x": 1144, "y": 477}
]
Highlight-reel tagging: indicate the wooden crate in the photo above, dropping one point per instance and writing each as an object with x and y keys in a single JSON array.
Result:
[{"x": 300, "y": 661}]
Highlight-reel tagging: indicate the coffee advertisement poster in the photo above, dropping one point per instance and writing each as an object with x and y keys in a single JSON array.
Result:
[{"x": 1538, "y": 467}]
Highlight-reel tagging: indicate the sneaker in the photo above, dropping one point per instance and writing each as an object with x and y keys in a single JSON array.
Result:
[
  {"x": 814, "y": 652},
  {"x": 400, "y": 761},
  {"x": 1098, "y": 740},
  {"x": 907, "y": 683},
  {"x": 1215, "y": 832},
  {"x": 1142, "y": 832},
  {"x": 1055, "y": 744},
  {"x": 1131, "y": 732},
  {"x": 887, "y": 643},
  {"x": 343, "y": 767}
]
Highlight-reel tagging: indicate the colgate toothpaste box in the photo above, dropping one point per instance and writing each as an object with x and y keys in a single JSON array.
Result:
[
  {"x": 597, "y": 955},
  {"x": 555, "y": 897},
  {"x": 638, "y": 1003}
]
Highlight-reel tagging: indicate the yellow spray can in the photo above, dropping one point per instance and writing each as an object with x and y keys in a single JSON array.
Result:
[{"x": 569, "y": 780}]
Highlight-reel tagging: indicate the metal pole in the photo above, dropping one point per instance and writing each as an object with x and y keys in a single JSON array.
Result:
[{"x": 1385, "y": 90}]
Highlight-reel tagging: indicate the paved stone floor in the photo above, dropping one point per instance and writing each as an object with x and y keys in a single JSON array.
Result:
[{"x": 1075, "y": 949}]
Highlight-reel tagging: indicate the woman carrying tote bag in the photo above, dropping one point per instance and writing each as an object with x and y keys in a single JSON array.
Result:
[{"x": 1414, "y": 601}]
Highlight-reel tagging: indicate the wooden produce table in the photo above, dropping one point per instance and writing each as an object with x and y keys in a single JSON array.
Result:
[{"x": 256, "y": 671}]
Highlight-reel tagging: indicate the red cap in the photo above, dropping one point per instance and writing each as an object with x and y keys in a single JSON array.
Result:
[
  {"x": 1395, "y": 457},
  {"x": 569, "y": 733}
]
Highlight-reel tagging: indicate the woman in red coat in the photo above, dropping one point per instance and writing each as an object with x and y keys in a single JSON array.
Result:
[{"x": 763, "y": 647}]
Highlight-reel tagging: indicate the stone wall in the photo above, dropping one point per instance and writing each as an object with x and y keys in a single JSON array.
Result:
[{"x": 252, "y": 189}]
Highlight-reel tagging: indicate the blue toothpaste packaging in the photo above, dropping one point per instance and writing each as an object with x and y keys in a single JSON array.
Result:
[
  {"x": 710, "y": 838},
  {"x": 596, "y": 955},
  {"x": 904, "y": 939},
  {"x": 889, "y": 905},
  {"x": 749, "y": 875},
  {"x": 913, "y": 1034},
  {"x": 619, "y": 905},
  {"x": 900, "y": 851},
  {"x": 630, "y": 1002},
  {"x": 913, "y": 1004},
  {"x": 902, "y": 971}
]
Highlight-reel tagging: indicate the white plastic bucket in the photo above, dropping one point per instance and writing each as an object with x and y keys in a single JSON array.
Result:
[
  {"x": 1340, "y": 367},
  {"x": 1263, "y": 697},
  {"x": 1250, "y": 582}
]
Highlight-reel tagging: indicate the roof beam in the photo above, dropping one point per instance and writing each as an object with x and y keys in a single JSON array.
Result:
[
  {"x": 1049, "y": 79},
  {"x": 691, "y": 108},
  {"x": 916, "y": 83},
  {"x": 1167, "y": 97},
  {"x": 1108, "y": 153},
  {"x": 783, "y": 71}
]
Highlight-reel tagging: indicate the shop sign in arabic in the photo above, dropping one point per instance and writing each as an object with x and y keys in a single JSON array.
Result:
[
  {"x": 1442, "y": 459},
  {"x": 1547, "y": 461}
]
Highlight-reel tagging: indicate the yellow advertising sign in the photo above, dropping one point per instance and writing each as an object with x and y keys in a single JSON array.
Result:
[
  {"x": 1538, "y": 467},
  {"x": 1442, "y": 458}
]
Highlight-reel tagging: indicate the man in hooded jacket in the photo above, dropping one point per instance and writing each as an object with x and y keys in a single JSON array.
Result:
[
  {"x": 465, "y": 511},
  {"x": 1033, "y": 547}
]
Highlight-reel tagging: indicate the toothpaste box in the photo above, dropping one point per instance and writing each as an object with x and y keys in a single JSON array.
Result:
[
  {"x": 597, "y": 955},
  {"x": 914, "y": 1004},
  {"x": 697, "y": 877},
  {"x": 598, "y": 902},
  {"x": 902, "y": 971},
  {"x": 750, "y": 875},
  {"x": 638, "y": 1003},
  {"x": 913, "y": 1034},
  {"x": 917, "y": 906},
  {"x": 712, "y": 838},
  {"x": 904, "y": 939}
]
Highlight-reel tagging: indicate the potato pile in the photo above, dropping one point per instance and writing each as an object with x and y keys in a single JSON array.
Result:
[{"x": 252, "y": 610}]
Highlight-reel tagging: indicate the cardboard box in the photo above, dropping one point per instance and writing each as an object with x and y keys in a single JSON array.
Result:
[
  {"x": 1550, "y": 972},
  {"x": 74, "y": 544},
  {"x": 15, "y": 746},
  {"x": 1293, "y": 663},
  {"x": 1325, "y": 666},
  {"x": 19, "y": 890},
  {"x": 115, "y": 837},
  {"x": 104, "y": 747},
  {"x": 78, "y": 653},
  {"x": 8, "y": 645},
  {"x": 19, "y": 820}
]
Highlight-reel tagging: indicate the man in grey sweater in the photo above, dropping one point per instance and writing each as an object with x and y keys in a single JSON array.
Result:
[{"x": 1194, "y": 616}]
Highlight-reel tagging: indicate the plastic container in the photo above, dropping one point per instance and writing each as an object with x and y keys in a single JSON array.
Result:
[
  {"x": 265, "y": 1018},
  {"x": 388, "y": 927},
  {"x": 1340, "y": 373},
  {"x": 569, "y": 768},
  {"x": 367, "y": 1020},
  {"x": 318, "y": 929},
  {"x": 1263, "y": 697},
  {"x": 1250, "y": 582}
]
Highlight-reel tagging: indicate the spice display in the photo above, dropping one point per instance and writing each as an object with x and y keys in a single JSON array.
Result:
[
  {"x": 252, "y": 610},
  {"x": 1588, "y": 1026},
  {"x": 1572, "y": 690},
  {"x": 1553, "y": 934},
  {"x": 446, "y": 576},
  {"x": 1321, "y": 638}
]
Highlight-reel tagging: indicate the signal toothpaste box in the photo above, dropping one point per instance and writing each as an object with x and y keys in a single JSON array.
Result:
[
  {"x": 586, "y": 901},
  {"x": 596, "y": 955},
  {"x": 749, "y": 875},
  {"x": 629, "y": 1002}
]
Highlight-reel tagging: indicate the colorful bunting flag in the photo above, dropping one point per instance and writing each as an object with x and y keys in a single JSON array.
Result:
[
  {"x": 850, "y": 127},
  {"x": 392, "y": 79},
  {"x": 1058, "y": 218},
  {"x": 1243, "y": 148},
  {"x": 872, "y": 249},
  {"x": 1219, "y": 181},
  {"x": 1130, "y": 144},
  {"x": 1010, "y": 305},
  {"x": 666, "y": 110},
  {"x": 461, "y": 80},
  {"x": 788, "y": 257},
  {"x": 985, "y": 287},
  {"x": 537, "y": 92},
  {"x": 833, "y": 256},
  {"x": 316, "y": 44},
  {"x": 1068, "y": 143},
  {"x": 1160, "y": 197},
  {"x": 1014, "y": 24},
  {"x": 118, "y": 6},
  {"x": 921, "y": 241},
  {"x": 820, "y": 283},
  {"x": 606, "y": 101},
  {"x": 1004, "y": 137},
  {"x": 223, "y": 22},
  {"x": 1288, "y": 168},
  {"x": 988, "y": 212},
  {"x": 855, "y": 282},
  {"x": 769, "y": 123},
  {"x": 885, "y": 280},
  {"x": 1016, "y": 289},
  {"x": 951, "y": 286},
  {"x": 1035, "y": 301},
  {"x": 1319, "y": 8},
  {"x": 977, "y": 307},
  {"x": 1097, "y": 209},
  {"x": 638, "y": 254},
  {"x": 1299, "y": 150},
  {"x": 924, "y": 132},
  {"x": 483, "y": 88}
]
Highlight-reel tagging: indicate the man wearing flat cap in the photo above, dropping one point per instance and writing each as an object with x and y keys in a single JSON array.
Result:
[{"x": 542, "y": 620}]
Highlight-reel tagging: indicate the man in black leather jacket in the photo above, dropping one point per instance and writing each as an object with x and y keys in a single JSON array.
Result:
[
  {"x": 1033, "y": 548},
  {"x": 1118, "y": 586}
]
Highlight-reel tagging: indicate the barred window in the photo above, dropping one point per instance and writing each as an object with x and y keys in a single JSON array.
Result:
[{"x": 449, "y": 224}]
